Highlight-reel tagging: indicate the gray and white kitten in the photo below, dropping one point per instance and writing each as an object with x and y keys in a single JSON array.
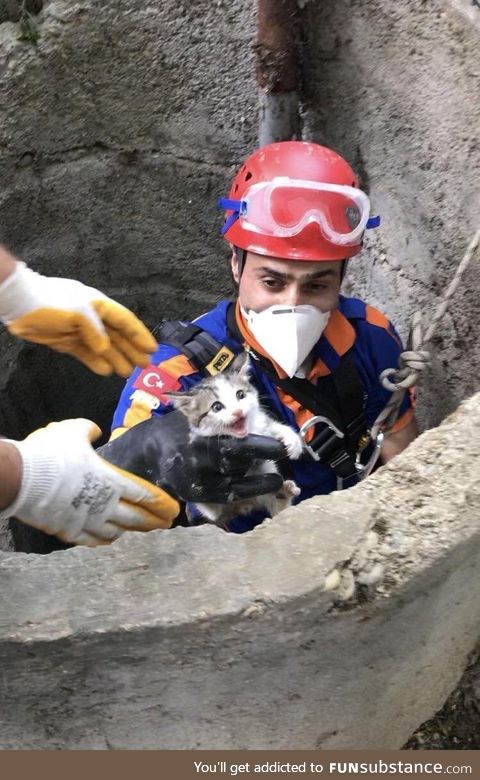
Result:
[{"x": 228, "y": 404}]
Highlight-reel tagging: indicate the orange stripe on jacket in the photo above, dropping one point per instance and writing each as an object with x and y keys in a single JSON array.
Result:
[
  {"x": 177, "y": 366},
  {"x": 375, "y": 317},
  {"x": 402, "y": 421},
  {"x": 339, "y": 332}
]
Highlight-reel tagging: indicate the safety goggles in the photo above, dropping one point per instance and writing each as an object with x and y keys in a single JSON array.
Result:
[{"x": 283, "y": 207}]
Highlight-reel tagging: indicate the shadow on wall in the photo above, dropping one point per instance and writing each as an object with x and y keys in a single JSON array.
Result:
[
  {"x": 46, "y": 387},
  {"x": 14, "y": 10}
]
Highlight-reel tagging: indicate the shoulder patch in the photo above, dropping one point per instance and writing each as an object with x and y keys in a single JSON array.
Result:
[{"x": 155, "y": 381}]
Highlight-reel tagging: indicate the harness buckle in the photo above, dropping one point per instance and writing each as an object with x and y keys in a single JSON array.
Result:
[{"x": 309, "y": 424}]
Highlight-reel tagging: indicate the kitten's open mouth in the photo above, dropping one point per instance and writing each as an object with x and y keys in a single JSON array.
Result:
[{"x": 239, "y": 427}]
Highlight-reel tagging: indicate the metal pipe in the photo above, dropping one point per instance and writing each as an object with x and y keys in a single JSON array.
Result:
[{"x": 278, "y": 69}]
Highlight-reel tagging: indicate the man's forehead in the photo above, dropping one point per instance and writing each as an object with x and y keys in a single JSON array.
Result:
[{"x": 295, "y": 268}]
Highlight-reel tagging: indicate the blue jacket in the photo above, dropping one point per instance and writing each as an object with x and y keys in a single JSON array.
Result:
[{"x": 354, "y": 325}]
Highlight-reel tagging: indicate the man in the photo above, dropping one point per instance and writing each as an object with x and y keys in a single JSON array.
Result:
[
  {"x": 54, "y": 480},
  {"x": 294, "y": 216}
]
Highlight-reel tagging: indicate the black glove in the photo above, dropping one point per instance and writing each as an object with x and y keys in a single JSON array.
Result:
[{"x": 209, "y": 469}]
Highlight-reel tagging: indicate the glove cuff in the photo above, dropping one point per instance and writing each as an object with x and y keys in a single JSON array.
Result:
[
  {"x": 39, "y": 476},
  {"x": 16, "y": 292}
]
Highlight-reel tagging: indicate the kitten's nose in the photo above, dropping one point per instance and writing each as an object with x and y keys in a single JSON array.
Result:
[{"x": 237, "y": 414}]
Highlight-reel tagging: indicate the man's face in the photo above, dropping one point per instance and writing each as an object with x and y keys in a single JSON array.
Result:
[{"x": 267, "y": 281}]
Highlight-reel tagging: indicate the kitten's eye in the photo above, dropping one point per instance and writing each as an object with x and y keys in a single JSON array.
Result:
[
  {"x": 217, "y": 406},
  {"x": 241, "y": 394}
]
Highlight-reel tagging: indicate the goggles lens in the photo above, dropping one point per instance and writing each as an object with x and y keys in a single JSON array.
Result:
[
  {"x": 284, "y": 207},
  {"x": 289, "y": 207}
]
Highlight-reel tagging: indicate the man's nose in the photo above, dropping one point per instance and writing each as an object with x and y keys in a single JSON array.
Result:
[{"x": 292, "y": 295}]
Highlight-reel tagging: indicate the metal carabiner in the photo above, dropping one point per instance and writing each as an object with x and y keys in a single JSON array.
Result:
[
  {"x": 309, "y": 424},
  {"x": 365, "y": 469}
]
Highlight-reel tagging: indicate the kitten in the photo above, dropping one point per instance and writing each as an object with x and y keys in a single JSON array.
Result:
[{"x": 228, "y": 404}]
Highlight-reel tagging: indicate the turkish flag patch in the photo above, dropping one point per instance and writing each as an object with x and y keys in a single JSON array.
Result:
[{"x": 155, "y": 381}]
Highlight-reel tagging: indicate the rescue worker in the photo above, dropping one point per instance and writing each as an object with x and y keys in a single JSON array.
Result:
[
  {"x": 294, "y": 217},
  {"x": 54, "y": 480}
]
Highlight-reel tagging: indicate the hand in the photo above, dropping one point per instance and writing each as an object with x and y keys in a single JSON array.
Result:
[
  {"x": 70, "y": 317},
  {"x": 209, "y": 469},
  {"x": 69, "y": 491}
]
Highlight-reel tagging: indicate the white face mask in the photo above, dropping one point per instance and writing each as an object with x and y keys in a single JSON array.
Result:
[{"x": 287, "y": 333}]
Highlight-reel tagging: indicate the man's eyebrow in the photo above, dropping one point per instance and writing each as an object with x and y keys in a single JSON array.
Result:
[{"x": 289, "y": 277}]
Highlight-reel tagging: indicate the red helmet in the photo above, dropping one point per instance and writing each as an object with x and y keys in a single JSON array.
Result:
[{"x": 322, "y": 216}]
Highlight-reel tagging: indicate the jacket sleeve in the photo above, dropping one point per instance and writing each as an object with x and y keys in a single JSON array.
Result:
[
  {"x": 143, "y": 394},
  {"x": 385, "y": 348}
]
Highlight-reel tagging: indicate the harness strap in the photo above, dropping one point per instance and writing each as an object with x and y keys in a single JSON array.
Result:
[
  {"x": 203, "y": 351},
  {"x": 339, "y": 397}
]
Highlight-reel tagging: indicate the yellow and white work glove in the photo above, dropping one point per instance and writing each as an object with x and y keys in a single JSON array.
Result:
[
  {"x": 70, "y": 491},
  {"x": 70, "y": 317}
]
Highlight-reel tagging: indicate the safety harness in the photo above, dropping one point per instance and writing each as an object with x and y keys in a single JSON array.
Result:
[{"x": 337, "y": 401}]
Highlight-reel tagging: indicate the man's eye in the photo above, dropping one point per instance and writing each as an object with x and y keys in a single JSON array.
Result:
[
  {"x": 240, "y": 394},
  {"x": 273, "y": 284},
  {"x": 316, "y": 288},
  {"x": 217, "y": 406}
]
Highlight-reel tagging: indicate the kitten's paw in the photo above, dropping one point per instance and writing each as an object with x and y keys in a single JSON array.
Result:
[
  {"x": 293, "y": 442},
  {"x": 289, "y": 489}
]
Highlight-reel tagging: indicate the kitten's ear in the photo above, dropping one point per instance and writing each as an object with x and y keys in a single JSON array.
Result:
[
  {"x": 182, "y": 399},
  {"x": 240, "y": 365}
]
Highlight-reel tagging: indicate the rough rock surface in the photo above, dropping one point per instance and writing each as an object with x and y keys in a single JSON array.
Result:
[
  {"x": 194, "y": 638},
  {"x": 393, "y": 86}
]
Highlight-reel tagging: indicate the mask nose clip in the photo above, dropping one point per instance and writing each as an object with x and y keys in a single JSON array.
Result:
[{"x": 309, "y": 424}]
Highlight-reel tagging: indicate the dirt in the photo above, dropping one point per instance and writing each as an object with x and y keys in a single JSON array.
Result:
[{"x": 457, "y": 725}]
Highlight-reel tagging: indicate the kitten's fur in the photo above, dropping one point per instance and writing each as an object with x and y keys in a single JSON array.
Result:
[{"x": 228, "y": 404}]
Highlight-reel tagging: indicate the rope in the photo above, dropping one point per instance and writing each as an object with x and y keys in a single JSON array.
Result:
[{"x": 414, "y": 361}]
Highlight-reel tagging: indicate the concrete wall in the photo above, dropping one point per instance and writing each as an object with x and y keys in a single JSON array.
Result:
[
  {"x": 118, "y": 132},
  {"x": 188, "y": 639},
  {"x": 394, "y": 87},
  {"x": 119, "y": 129}
]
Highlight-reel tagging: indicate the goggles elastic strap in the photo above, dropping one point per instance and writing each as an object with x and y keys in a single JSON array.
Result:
[{"x": 237, "y": 206}]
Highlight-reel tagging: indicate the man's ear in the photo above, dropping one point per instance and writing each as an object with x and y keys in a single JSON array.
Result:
[{"x": 234, "y": 267}]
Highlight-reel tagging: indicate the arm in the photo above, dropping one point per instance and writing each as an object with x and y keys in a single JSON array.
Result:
[
  {"x": 395, "y": 443},
  {"x": 11, "y": 471},
  {"x": 68, "y": 316}
]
